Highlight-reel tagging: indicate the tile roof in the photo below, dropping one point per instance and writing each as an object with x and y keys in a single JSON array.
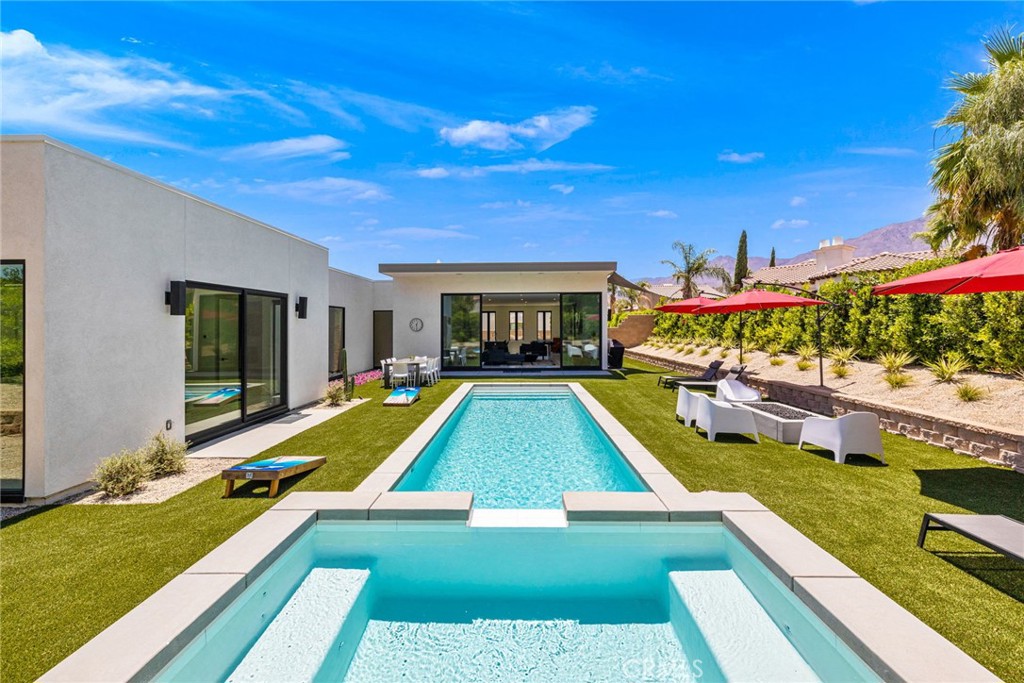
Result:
[
  {"x": 673, "y": 291},
  {"x": 791, "y": 274},
  {"x": 874, "y": 264}
]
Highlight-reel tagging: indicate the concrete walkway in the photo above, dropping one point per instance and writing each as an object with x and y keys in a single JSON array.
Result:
[{"x": 256, "y": 439}]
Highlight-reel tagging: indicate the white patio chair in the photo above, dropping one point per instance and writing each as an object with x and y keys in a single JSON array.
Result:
[
  {"x": 590, "y": 350},
  {"x": 686, "y": 406},
  {"x": 734, "y": 391},
  {"x": 400, "y": 374},
  {"x": 718, "y": 417},
  {"x": 574, "y": 351},
  {"x": 850, "y": 433}
]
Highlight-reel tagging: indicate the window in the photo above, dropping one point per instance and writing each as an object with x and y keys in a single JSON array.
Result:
[
  {"x": 582, "y": 324},
  {"x": 234, "y": 357},
  {"x": 460, "y": 330},
  {"x": 12, "y": 380},
  {"x": 515, "y": 325},
  {"x": 489, "y": 322},
  {"x": 544, "y": 325},
  {"x": 335, "y": 339}
]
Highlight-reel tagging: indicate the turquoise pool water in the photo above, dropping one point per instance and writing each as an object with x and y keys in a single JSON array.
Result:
[
  {"x": 520, "y": 447},
  {"x": 366, "y": 602}
]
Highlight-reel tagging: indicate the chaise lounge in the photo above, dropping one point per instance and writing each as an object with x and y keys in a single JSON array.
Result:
[{"x": 709, "y": 374}]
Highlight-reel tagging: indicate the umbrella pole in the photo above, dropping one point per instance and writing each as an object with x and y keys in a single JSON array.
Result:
[
  {"x": 821, "y": 362},
  {"x": 741, "y": 336}
]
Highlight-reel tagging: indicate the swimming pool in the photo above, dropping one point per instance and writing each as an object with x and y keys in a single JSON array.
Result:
[
  {"x": 360, "y": 602},
  {"x": 520, "y": 447}
]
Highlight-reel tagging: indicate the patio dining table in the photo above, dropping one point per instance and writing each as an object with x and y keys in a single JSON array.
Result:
[{"x": 414, "y": 364}]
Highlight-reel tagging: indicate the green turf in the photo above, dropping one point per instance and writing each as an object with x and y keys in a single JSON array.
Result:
[{"x": 66, "y": 573}]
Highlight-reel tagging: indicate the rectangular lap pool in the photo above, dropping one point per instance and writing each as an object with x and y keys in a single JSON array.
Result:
[
  {"x": 360, "y": 602},
  {"x": 520, "y": 447}
]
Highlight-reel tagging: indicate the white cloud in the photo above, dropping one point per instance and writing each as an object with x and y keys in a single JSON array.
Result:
[
  {"x": 540, "y": 132},
  {"x": 534, "y": 166},
  {"x": 58, "y": 89},
  {"x": 794, "y": 223},
  {"x": 882, "y": 151},
  {"x": 131, "y": 39},
  {"x": 606, "y": 73},
  {"x": 738, "y": 158},
  {"x": 663, "y": 213},
  {"x": 798, "y": 201},
  {"x": 395, "y": 113},
  {"x": 450, "y": 232},
  {"x": 292, "y": 148},
  {"x": 561, "y": 187},
  {"x": 435, "y": 172},
  {"x": 327, "y": 190},
  {"x": 530, "y": 245},
  {"x": 519, "y": 203}
]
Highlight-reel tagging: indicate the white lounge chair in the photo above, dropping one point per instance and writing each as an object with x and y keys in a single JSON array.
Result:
[
  {"x": 718, "y": 417},
  {"x": 734, "y": 391},
  {"x": 850, "y": 433},
  {"x": 686, "y": 406}
]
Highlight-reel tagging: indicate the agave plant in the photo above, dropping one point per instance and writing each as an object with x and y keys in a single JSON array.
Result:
[
  {"x": 897, "y": 380},
  {"x": 948, "y": 367},
  {"x": 773, "y": 349},
  {"x": 806, "y": 352},
  {"x": 840, "y": 371},
  {"x": 842, "y": 356},
  {"x": 968, "y": 392},
  {"x": 802, "y": 365},
  {"x": 895, "y": 361}
]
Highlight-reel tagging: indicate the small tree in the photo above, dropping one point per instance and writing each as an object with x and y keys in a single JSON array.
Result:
[
  {"x": 741, "y": 270},
  {"x": 771, "y": 259}
]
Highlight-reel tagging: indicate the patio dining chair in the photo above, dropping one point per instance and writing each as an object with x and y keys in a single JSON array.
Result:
[{"x": 401, "y": 374}]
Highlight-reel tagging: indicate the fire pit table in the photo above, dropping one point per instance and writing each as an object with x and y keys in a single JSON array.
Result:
[{"x": 777, "y": 420}]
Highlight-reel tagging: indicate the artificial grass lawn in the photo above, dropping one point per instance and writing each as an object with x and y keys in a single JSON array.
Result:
[{"x": 66, "y": 573}]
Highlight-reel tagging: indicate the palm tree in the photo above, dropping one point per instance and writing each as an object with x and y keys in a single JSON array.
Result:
[
  {"x": 979, "y": 176},
  {"x": 695, "y": 265}
]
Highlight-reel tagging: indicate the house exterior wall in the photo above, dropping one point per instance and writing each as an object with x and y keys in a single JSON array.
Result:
[
  {"x": 418, "y": 295},
  {"x": 356, "y": 295},
  {"x": 98, "y": 263}
]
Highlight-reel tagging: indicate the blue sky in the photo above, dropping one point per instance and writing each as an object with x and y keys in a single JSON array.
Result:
[{"x": 507, "y": 131}]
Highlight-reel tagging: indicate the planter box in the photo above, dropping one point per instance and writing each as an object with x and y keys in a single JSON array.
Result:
[{"x": 781, "y": 429}]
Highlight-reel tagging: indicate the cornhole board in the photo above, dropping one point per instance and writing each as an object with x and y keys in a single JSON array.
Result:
[
  {"x": 403, "y": 396},
  {"x": 272, "y": 470}
]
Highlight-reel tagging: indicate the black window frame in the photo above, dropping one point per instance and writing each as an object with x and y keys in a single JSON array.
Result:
[
  {"x": 493, "y": 319},
  {"x": 519, "y": 327},
  {"x": 549, "y": 336}
]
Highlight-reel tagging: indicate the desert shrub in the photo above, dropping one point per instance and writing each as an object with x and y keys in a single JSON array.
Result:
[
  {"x": 335, "y": 393},
  {"x": 773, "y": 349},
  {"x": 840, "y": 371},
  {"x": 121, "y": 474},
  {"x": 948, "y": 367},
  {"x": 968, "y": 392},
  {"x": 724, "y": 353},
  {"x": 897, "y": 380},
  {"x": 705, "y": 351},
  {"x": 803, "y": 365},
  {"x": 776, "y": 361},
  {"x": 842, "y": 356},
  {"x": 688, "y": 350},
  {"x": 164, "y": 455},
  {"x": 894, "y": 362},
  {"x": 806, "y": 352}
]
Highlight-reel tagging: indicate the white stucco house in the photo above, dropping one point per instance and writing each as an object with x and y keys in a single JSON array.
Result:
[{"x": 131, "y": 307}]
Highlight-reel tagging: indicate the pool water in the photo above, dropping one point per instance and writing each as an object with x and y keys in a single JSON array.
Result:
[
  {"x": 520, "y": 447},
  {"x": 419, "y": 602}
]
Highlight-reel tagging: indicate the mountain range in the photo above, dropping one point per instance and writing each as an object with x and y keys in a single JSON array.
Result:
[{"x": 895, "y": 238}]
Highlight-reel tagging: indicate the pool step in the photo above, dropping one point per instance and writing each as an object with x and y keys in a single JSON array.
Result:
[
  {"x": 743, "y": 640},
  {"x": 517, "y": 518},
  {"x": 302, "y": 636}
]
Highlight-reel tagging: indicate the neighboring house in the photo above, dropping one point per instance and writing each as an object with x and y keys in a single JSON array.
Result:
[
  {"x": 655, "y": 294},
  {"x": 141, "y": 308},
  {"x": 832, "y": 259}
]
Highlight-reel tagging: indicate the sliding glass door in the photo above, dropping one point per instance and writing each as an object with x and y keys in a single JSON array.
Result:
[
  {"x": 12, "y": 380},
  {"x": 460, "y": 330},
  {"x": 582, "y": 323},
  {"x": 232, "y": 335}
]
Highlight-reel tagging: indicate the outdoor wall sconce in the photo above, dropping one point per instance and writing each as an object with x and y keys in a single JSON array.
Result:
[
  {"x": 176, "y": 297},
  {"x": 301, "y": 306}
]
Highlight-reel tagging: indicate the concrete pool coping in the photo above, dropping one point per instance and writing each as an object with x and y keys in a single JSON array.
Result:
[{"x": 889, "y": 639}]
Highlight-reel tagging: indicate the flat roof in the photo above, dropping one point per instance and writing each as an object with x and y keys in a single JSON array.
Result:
[{"x": 506, "y": 267}]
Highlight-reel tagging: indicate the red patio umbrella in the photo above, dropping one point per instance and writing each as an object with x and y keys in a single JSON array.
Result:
[
  {"x": 686, "y": 305},
  {"x": 1000, "y": 272},
  {"x": 758, "y": 300}
]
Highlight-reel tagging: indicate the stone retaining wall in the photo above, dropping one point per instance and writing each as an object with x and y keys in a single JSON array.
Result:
[
  {"x": 978, "y": 441},
  {"x": 634, "y": 330}
]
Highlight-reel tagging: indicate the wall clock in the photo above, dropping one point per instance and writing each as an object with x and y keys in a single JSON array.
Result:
[{"x": 415, "y": 324}]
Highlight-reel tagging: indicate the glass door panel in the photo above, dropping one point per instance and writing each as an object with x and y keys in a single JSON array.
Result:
[
  {"x": 264, "y": 353},
  {"x": 581, "y": 330},
  {"x": 12, "y": 380},
  {"x": 213, "y": 387},
  {"x": 460, "y": 330}
]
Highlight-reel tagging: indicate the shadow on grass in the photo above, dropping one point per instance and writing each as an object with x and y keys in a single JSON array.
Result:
[
  {"x": 998, "y": 571},
  {"x": 727, "y": 438},
  {"x": 259, "y": 489},
  {"x": 11, "y": 521},
  {"x": 852, "y": 459},
  {"x": 985, "y": 490}
]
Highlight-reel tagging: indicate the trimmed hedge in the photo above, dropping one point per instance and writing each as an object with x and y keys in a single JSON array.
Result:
[{"x": 986, "y": 329}]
